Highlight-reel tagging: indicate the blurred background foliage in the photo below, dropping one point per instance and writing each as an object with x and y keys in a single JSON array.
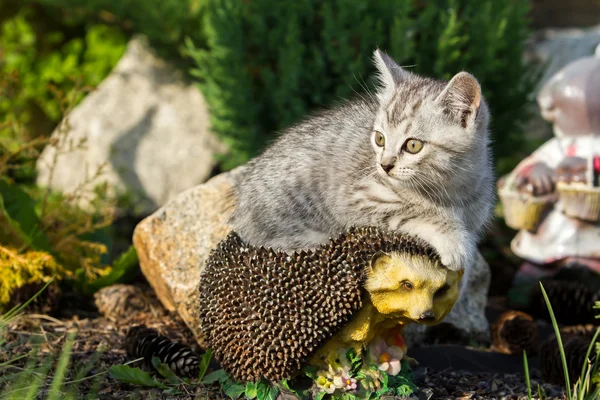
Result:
[
  {"x": 262, "y": 65},
  {"x": 44, "y": 58},
  {"x": 265, "y": 64}
]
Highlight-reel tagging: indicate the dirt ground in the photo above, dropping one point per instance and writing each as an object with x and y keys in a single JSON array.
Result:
[{"x": 446, "y": 372}]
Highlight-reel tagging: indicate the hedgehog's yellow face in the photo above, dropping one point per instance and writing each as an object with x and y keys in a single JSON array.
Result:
[{"x": 412, "y": 288}]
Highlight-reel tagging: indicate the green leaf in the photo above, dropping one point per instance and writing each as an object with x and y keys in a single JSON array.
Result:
[
  {"x": 204, "y": 361},
  {"x": 251, "y": 390},
  {"x": 320, "y": 395},
  {"x": 232, "y": 389},
  {"x": 355, "y": 360},
  {"x": 402, "y": 383},
  {"x": 310, "y": 371},
  {"x": 384, "y": 385},
  {"x": 216, "y": 376},
  {"x": 299, "y": 393},
  {"x": 273, "y": 393},
  {"x": 122, "y": 269},
  {"x": 266, "y": 391},
  {"x": 405, "y": 369},
  {"x": 136, "y": 376},
  {"x": 18, "y": 208},
  {"x": 164, "y": 370}
]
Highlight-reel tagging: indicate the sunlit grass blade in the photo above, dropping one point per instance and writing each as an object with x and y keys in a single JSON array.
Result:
[
  {"x": 527, "y": 380},
  {"x": 15, "y": 312},
  {"x": 12, "y": 360},
  {"x": 39, "y": 381},
  {"x": 55, "y": 392},
  {"x": 81, "y": 374},
  {"x": 587, "y": 368},
  {"x": 29, "y": 380},
  {"x": 563, "y": 358}
]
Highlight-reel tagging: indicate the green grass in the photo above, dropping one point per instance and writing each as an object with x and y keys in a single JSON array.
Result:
[
  {"x": 584, "y": 388},
  {"x": 29, "y": 382}
]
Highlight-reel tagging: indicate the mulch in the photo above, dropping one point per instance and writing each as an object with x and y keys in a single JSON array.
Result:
[{"x": 446, "y": 372}]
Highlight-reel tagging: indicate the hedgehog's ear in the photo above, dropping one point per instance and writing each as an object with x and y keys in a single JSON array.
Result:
[{"x": 378, "y": 260}]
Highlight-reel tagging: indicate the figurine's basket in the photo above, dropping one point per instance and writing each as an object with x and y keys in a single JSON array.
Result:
[
  {"x": 580, "y": 201},
  {"x": 523, "y": 211}
]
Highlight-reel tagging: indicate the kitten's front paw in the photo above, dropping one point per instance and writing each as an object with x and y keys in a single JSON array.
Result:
[{"x": 454, "y": 257}]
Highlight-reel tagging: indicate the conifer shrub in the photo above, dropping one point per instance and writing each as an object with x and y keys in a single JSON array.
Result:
[{"x": 263, "y": 65}]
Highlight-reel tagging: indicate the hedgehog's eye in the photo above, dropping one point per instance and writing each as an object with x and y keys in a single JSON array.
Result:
[
  {"x": 442, "y": 291},
  {"x": 379, "y": 139},
  {"x": 413, "y": 146},
  {"x": 407, "y": 285}
]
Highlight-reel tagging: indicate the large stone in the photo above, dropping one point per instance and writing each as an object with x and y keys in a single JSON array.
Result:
[
  {"x": 145, "y": 124},
  {"x": 174, "y": 243}
]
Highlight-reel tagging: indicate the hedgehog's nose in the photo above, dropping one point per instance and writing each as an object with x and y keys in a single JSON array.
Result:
[{"x": 427, "y": 316}]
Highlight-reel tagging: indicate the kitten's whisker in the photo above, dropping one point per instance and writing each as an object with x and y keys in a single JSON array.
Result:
[
  {"x": 429, "y": 187},
  {"x": 359, "y": 95},
  {"x": 374, "y": 97},
  {"x": 423, "y": 188},
  {"x": 371, "y": 170},
  {"x": 365, "y": 88}
]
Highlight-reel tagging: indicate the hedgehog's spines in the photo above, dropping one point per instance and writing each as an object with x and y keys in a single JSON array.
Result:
[{"x": 314, "y": 293}]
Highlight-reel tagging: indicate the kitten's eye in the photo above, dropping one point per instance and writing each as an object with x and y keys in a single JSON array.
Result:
[
  {"x": 379, "y": 139},
  {"x": 407, "y": 285},
  {"x": 413, "y": 146},
  {"x": 442, "y": 291}
]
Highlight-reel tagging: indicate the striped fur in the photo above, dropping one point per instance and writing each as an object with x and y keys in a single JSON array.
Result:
[{"x": 324, "y": 174}]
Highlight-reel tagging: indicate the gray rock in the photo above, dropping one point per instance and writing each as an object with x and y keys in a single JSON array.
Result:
[
  {"x": 174, "y": 243},
  {"x": 145, "y": 124}
]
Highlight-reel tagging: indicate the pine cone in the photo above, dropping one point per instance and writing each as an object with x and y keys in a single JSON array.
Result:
[
  {"x": 572, "y": 302},
  {"x": 575, "y": 347},
  {"x": 515, "y": 331},
  {"x": 148, "y": 343}
]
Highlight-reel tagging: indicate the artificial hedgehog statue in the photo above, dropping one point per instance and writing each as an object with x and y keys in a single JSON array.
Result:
[{"x": 265, "y": 314}]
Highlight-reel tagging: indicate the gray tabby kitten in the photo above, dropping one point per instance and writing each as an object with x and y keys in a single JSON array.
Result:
[{"x": 415, "y": 158}]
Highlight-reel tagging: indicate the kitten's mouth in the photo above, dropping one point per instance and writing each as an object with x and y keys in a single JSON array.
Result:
[{"x": 393, "y": 178}]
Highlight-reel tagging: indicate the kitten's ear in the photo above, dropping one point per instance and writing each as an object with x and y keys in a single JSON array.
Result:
[
  {"x": 390, "y": 74},
  {"x": 462, "y": 98}
]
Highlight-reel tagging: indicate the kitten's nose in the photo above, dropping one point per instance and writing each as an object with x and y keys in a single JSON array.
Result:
[
  {"x": 387, "y": 165},
  {"x": 427, "y": 316}
]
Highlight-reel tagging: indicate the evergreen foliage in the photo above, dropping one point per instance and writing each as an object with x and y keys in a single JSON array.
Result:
[{"x": 264, "y": 64}]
